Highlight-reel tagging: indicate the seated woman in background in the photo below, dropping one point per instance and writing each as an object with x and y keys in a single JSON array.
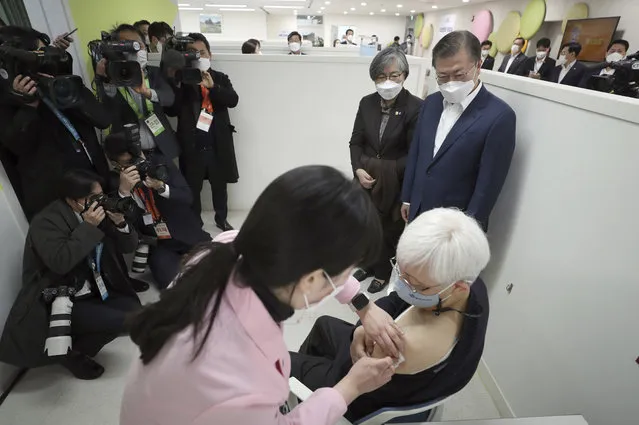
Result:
[
  {"x": 252, "y": 47},
  {"x": 441, "y": 305}
]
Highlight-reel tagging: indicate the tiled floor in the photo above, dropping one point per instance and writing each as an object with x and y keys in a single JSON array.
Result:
[{"x": 50, "y": 396}]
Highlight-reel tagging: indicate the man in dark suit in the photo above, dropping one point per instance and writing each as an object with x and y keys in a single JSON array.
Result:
[
  {"x": 465, "y": 141},
  {"x": 207, "y": 146},
  {"x": 141, "y": 105},
  {"x": 164, "y": 209},
  {"x": 73, "y": 242},
  {"x": 541, "y": 65},
  {"x": 511, "y": 62},
  {"x": 569, "y": 71},
  {"x": 384, "y": 127},
  {"x": 487, "y": 61},
  {"x": 617, "y": 51}
]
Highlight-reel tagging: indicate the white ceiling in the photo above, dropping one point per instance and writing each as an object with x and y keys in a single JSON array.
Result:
[{"x": 314, "y": 7}]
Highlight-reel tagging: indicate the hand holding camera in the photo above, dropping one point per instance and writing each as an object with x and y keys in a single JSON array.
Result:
[
  {"x": 117, "y": 218},
  {"x": 94, "y": 215},
  {"x": 207, "y": 80},
  {"x": 154, "y": 184},
  {"x": 100, "y": 68},
  {"x": 129, "y": 178},
  {"x": 142, "y": 88},
  {"x": 27, "y": 87}
]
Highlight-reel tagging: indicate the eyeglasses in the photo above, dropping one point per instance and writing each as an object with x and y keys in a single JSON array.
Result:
[
  {"x": 404, "y": 278},
  {"x": 460, "y": 76},
  {"x": 393, "y": 76}
]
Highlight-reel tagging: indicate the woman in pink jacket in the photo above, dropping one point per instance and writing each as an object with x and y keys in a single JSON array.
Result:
[{"x": 212, "y": 350}]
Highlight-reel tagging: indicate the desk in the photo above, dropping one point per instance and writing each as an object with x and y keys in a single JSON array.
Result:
[{"x": 548, "y": 420}]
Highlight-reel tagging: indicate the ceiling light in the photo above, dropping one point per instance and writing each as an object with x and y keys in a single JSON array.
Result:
[
  {"x": 412, "y": 11},
  {"x": 190, "y": 8},
  {"x": 372, "y": 13},
  {"x": 345, "y": 13},
  {"x": 322, "y": 8},
  {"x": 319, "y": 12},
  {"x": 225, "y": 5},
  {"x": 233, "y": 9},
  {"x": 353, "y": 9},
  {"x": 434, "y": 6},
  {"x": 397, "y": 14},
  {"x": 327, "y": 2},
  {"x": 363, "y": 4},
  {"x": 400, "y": 6},
  {"x": 383, "y": 10},
  {"x": 283, "y": 7},
  {"x": 184, "y": 4},
  {"x": 466, "y": 1}
]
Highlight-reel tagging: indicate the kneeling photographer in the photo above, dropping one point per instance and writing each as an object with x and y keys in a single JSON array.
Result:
[
  {"x": 75, "y": 296},
  {"x": 164, "y": 217},
  {"x": 48, "y": 116}
]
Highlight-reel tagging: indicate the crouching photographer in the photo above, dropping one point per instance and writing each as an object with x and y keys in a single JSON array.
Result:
[
  {"x": 164, "y": 217},
  {"x": 73, "y": 285},
  {"x": 48, "y": 116}
]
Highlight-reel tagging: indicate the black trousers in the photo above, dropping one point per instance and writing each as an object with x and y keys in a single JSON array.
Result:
[
  {"x": 324, "y": 357},
  {"x": 392, "y": 230},
  {"x": 202, "y": 167},
  {"x": 95, "y": 323},
  {"x": 165, "y": 260}
]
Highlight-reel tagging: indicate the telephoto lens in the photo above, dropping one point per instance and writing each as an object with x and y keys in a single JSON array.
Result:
[
  {"x": 140, "y": 258},
  {"x": 59, "y": 342}
]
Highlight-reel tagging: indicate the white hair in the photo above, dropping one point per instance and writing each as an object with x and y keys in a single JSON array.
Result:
[{"x": 446, "y": 244}]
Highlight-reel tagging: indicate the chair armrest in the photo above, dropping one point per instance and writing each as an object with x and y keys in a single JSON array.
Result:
[{"x": 300, "y": 390}]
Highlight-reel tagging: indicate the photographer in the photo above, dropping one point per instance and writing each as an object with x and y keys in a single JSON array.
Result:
[
  {"x": 43, "y": 139},
  {"x": 142, "y": 105},
  {"x": 205, "y": 132},
  {"x": 159, "y": 33},
  {"x": 73, "y": 242},
  {"x": 164, "y": 215}
]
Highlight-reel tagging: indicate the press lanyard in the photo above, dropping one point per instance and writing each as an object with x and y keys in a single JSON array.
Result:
[
  {"x": 65, "y": 121},
  {"x": 149, "y": 105},
  {"x": 95, "y": 264},
  {"x": 207, "y": 105},
  {"x": 149, "y": 204}
]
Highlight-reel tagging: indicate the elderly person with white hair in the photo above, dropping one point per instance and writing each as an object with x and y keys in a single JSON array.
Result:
[
  {"x": 379, "y": 146},
  {"x": 439, "y": 302}
]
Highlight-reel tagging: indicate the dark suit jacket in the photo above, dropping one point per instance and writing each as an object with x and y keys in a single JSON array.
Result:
[
  {"x": 574, "y": 76},
  {"x": 489, "y": 63},
  {"x": 176, "y": 211},
  {"x": 187, "y": 107},
  {"x": 470, "y": 167},
  {"x": 123, "y": 114},
  {"x": 521, "y": 58},
  {"x": 42, "y": 149},
  {"x": 545, "y": 70},
  {"x": 55, "y": 253}
]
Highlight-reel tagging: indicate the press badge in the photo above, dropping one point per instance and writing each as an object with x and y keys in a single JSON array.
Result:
[
  {"x": 154, "y": 124},
  {"x": 104, "y": 294},
  {"x": 148, "y": 219},
  {"x": 162, "y": 231},
  {"x": 204, "y": 121}
]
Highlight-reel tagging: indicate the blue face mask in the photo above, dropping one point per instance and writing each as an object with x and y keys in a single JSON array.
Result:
[{"x": 406, "y": 293}]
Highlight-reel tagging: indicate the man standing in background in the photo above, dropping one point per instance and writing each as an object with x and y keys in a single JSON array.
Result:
[
  {"x": 465, "y": 141},
  {"x": 158, "y": 34},
  {"x": 348, "y": 37},
  {"x": 569, "y": 71},
  {"x": 512, "y": 61},
  {"x": 541, "y": 65},
  {"x": 487, "y": 61},
  {"x": 143, "y": 27}
]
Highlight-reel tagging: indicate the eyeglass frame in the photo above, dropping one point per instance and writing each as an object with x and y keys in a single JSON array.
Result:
[
  {"x": 382, "y": 78},
  {"x": 457, "y": 77},
  {"x": 402, "y": 278}
]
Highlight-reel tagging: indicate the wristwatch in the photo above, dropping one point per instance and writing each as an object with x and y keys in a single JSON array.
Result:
[
  {"x": 162, "y": 189},
  {"x": 359, "y": 302}
]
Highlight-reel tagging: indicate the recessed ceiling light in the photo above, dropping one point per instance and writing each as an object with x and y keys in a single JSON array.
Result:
[
  {"x": 434, "y": 6},
  {"x": 319, "y": 12},
  {"x": 322, "y": 8},
  {"x": 327, "y": 2},
  {"x": 412, "y": 11},
  {"x": 397, "y": 14},
  {"x": 372, "y": 13},
  {"x": 400, "y": 6},
  {"x": 233, "y": 9},
  {"x": 363, "y": 3},
  {"x": 190, "y": 8},
  {"x": 466, "y": 1},
  {"x": 353, "y": 9},
  {"x": 225, "y": 5},
  {"x": 345, "y": 13},
  {"x": 283, "y": 7},
  {"x": 383, "y": 10}
]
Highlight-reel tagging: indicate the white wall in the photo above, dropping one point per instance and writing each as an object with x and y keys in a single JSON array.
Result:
[
  {"x": 235, "y": 25},
  {"x": 385, "y": 27},
  {"x": 564, "y": 234},
  {"x": 279, "y": 24}
]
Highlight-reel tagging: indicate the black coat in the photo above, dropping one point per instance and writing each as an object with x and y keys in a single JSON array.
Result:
[
  {"x": 187, "y": 107},
  {"x": 489, "y": 63},
  {"x": 43, "y": 149},
  {"x": 55, "y": 253},
  {"x": 123, "y": 114},
  {"x": 545, "y": 71},
  {"x": 516, "y": 63},
  {"x": 574, "y": 76}
]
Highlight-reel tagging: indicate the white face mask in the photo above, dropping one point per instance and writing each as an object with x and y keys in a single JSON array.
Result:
[
  {"x": 484, "y": 53},
  {"x": 295, "y": 47},
  {"x": 203, "y": 64},
  {"x": 456, "y": 91},
  {"x": 388, "y": 90},
  {"x": 159, "y": 47},
  {"x": 561, "y": 61},
  {"x": 515, "y": 49},
  {"x": 373, "y": 40},
  {"x": 614, "y": 57},
  {"x": 147, "y": 41},
  {"x": 333, "y": 294},
  {"x": 541, "y": 55},
  {"x": 142, "y": 58},
  {"x": 349, "y": 37}
]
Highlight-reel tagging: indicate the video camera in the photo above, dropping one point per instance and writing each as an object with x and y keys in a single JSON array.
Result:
[
  {"x": 625, "y": 80},
  {"x": 186, "y": 74},
  {"x": 121, "y": 70},
  {"x": 49, "y": 67},
  {"x": 144, "y": 166}
]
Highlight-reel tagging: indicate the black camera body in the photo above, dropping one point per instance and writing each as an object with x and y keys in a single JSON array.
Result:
[
  {"x": 49, "y": 67},
  {"x": 187, "y": 74},
  {"x": 625, "y": 80},
  {"x": 114, "y": 204},
  {"x": 120, "y": 71},
  {"x": 144, "y": 166}
]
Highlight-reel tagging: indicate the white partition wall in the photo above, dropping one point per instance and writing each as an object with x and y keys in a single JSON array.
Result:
[
  {"x": 565, "y": 234},
  {"x": 295, "y": 111}
]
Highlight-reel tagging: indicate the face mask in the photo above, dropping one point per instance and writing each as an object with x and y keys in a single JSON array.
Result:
[
  {"x": 541, "y": 55},
  {"x": 333, "y": 294},
  {"x": 147, "y": 40},
  {"x": 349, "y": 37},
  {"x": 159, "y": 47},
  {"x": 561, "y": 61},
  {"x": 515, "y": 49},
  {"x": 614, "y": 57},
  {"x": 295, "y": 47},
  {"x": 373, "y": 40},
  {"x": 406, "y": 293},
  {"x": 456, "y": 91},
  {"x": 142, "y": 58},
  {"x": 388, "y": 89},
  {"x": 484, "y": 53},
  {"x": 203, "y": 64}
]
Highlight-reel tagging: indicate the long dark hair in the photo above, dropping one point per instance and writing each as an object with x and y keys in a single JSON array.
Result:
[{"x": 309, "y": 218}]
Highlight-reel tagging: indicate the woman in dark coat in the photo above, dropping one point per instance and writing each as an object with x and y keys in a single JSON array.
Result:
[{"x": 382, "y": 134}]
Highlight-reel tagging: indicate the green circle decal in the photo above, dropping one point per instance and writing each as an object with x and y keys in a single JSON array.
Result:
[
  {"x": 508, "y": 31},
  {"x": 533, "y": 18}
]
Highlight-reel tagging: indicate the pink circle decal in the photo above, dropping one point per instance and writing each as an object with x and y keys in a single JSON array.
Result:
[{"x": 483, "y": 24}]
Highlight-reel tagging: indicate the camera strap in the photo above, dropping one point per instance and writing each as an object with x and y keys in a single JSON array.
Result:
[
  {"x": 149, "y": 203},
  {"x": 67, "y": 124},
  {"x": 207, "y": 105}
]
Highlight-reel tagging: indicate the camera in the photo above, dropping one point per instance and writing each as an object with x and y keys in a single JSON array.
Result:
[
  {"x": 121, "y": 69},
  {"x": 59, "y": 341},
  {"x": 144, "y": 166},
  {"x": 186, "y": 74},
  {"x": 49, "y": 67},
  {"x": 124, "y": 206},
  {"x": 625, "y": 80}
]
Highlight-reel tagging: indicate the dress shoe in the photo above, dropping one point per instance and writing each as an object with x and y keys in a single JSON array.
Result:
[
  {"x": 361, "y": 275},
  {"x": 225, "y": 227},
  {"x": 377, "y": 286},
  {"x": 138, "y": 285},
  {"x": 82, "y": 366}
]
